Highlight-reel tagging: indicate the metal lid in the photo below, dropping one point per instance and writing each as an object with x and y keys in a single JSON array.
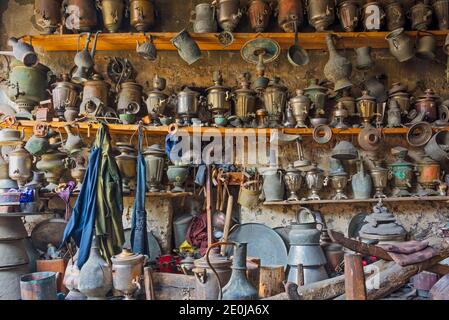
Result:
[
  {"x": 291, "y": 168},
  {"x": 429, "y": 94},
  {"x": 366, "y": 96},
  {"x": 300, "y": 97},
  {"x": 275, "y": 84},
  {"x": 218, "y": 82},
  {"x": 126, "y": 256},
  {"x": 313, "y": 85}
]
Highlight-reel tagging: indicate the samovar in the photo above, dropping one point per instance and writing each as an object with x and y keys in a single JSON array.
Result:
[
  {"x": 142, "y": 14},
  {"x": 65, "y": 95},
  {"x": 348, "y": 12},
  {"x": 177, "y": 175},
  {"x": 154, "y": 162},
  {"x": 187, "y": 105},
  {"x": 318, "y": 95},
  {"x": 157, "y": 100},
  {"x": 315, "y": 181},
  {"x": 130, "y": 101},
  {"x": 95, "y": 88},
  {"x": 348, "y": 102},
  {"x": 395, "y": 15},
  {"x": 339, "y": 181},
  {"x": 400, "y": 95},
  {"x": 20, "y": 163},
  {"x": 300, "y": 105},
  {"x": 401, "y": 172},
  {"x": 428, "y": 174},
  {"x": 228, "y": 14},
  {"x": 366, "y": 106},
  {"x": 53, "y": 164},
  {"x": 293, "y": 180},
  {"x": 427, "y": 105},
  {"x": 78, "y": 171},
  {"x": 113, "y": 12},
  {"x": 259, "y": 12},
  {"x": 48, "y": 14},
  {"x": 290, "y": 14},
  {"x": 275, "y": 98},
  {"x": 340, "y": 114},
  {"x": 126, "y": 162},
  {"x": 127, "y": 270},
  {"x": 380, "y": 177},
  {"x": 245, "y": 100},
  {"x": 321, "y": 13},
  {"x": 218, "y": 96}
]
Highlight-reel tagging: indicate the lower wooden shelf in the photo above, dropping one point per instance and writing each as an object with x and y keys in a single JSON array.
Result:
[
  {"x": 349, "y": 201},
  {"x": 166, "y": 195}
]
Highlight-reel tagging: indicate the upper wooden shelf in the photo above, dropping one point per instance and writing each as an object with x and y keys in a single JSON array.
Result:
[
  {"x": 209, "y": 41},
  {"x": 350, "y": 201},
  {"x": 122, "y": 129}
]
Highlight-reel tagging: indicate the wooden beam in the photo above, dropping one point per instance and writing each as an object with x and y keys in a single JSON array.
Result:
[{"x": 354, "y": 277}]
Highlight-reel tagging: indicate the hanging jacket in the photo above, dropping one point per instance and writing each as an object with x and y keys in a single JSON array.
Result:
[
  {"x": 139, "y": 237},
  {"x": 99, "y": 204}
]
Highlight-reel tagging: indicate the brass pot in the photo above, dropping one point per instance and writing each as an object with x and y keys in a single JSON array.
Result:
[
  {"x": 142, "y": 14},
  {"x": 113, "y": 13},
  {"x": 275, "y": 99},
  {"x": 218, "y": 96},
  {"x": 290, "y": 13},
  {"x": 259, "y": 12},
  {"x": 427, "y": 105},
  {"x": 380, "y": 178},
  {"x": 321, "y": 14},
  {"x": 48, "y": 14},
  {"x": 81, "y": 15},
  {"x": 366, "y": 106}
]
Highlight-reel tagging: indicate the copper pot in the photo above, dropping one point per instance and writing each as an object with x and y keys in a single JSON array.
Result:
[
  {"x": 348, "y": 12},
  {"x": 48, "y": 14},
  {"x": 290, "y": 12},
  {"x": 428, "y": 172},
  {"x": 427, "y": 105},
  {"x": 259, "y": 12},
  {"x": 81, "y": 15},
  {"x": 142, "y": 14}
]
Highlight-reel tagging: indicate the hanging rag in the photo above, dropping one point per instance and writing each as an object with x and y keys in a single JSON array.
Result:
[
  {"x": 99, "y": 204},
  {"x": 139, "y": 236},
  {"x": 410, "y": 252},
  {"x": 64, "y": 193},
  {"x": 197, "y": 233}
]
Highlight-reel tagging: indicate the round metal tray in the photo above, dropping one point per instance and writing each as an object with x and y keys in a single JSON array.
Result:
[{"x": 263, "y": 242}]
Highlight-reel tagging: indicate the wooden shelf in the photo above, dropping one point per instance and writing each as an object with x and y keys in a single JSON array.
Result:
[
  {"x": 123, "y": 129},
  {"x": 209, "y": 41},
  {"x": 349, "y": 201},
  {"x": 165, "y": 195}
]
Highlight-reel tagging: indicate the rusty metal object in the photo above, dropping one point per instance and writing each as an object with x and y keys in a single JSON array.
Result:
[
  {"x": 369, "y": 139},
  {"x": 259, "y": 12},
  {"x": 290, "y": 14},
  {"x": 38, "y": 286},
  {"x": 419, "y": 134},
  {"x": 142, "y": 14},
  {"x": 321, "y": 13},
  {"x": 228, "y": 14},
  {"x": 81, "y": 15},
  {"x": 338, "y": 69},
  {"x": 113, "y": 12}
]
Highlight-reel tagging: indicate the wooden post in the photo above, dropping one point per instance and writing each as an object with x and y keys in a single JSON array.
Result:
[
  {"x": 271, "y": 281},
  {"x": 354, "y": 277},
  {"x": 149, "y": 286}
]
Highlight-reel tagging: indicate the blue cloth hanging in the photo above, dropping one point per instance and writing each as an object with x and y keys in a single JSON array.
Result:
[
  {"x": 139, "y": 237},
  {"x": 80, "y": 227}
]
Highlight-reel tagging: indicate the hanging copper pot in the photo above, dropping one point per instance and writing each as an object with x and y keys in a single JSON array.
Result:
[
  {"x": 142, "y": 14},
  {"x": 48, "y": 14},
  {"x": 81, "y": 15},
  {"x": 290, "y": 12},
  {"x": 348, "y": 13},
  {"x": 259, "y": 12}
]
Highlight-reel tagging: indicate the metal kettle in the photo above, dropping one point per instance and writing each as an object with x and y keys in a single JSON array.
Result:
[{"x": 84, "y": 60}]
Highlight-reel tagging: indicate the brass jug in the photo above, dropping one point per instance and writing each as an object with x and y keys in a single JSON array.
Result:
[
  {"x": 142, "y": 14},
  {"x": 113, "y": 13}
]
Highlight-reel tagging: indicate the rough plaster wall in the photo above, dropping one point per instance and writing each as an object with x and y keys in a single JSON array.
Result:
[{"x": 420, "y": 218}]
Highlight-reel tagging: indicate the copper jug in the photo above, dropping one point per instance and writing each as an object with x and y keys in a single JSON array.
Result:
[
  {"x": 113, "y": 12},
  {"x": 373, "y": 16},
  {"x": 441, "y": 9},
  {"x": 395, "y": 15},
  {"x": 421, "y": 15},
  {"x": 142, "y": 14},
  {"x": 81, "y": 15},
  {"x": 321, "y": 14},
  {"x": 48, "y": 14},
  {"x": 289, "y": 12},
  {"x": 259, "y": 12},
  {"x": 348, "y": 13}
]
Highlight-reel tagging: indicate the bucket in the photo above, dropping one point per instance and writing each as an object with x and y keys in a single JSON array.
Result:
[{"x": 38, "y": 286}]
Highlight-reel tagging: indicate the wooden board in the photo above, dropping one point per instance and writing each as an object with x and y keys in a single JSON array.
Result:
[
  {"x": 171, "y": 286},
  {"x": 209, "y": 41}
]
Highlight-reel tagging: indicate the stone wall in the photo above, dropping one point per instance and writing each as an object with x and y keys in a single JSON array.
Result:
[{"x": 419, "y": 217}]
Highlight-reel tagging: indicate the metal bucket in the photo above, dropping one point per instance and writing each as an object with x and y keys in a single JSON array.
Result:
[{"x": 38, "y": 286}]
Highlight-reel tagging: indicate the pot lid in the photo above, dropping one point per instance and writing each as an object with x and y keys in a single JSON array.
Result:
[
  {"x": 245, "y": 84},
  {"x": 313, "y": 85},
  {"x": 397, "y": 87},
  {"x": 65, "y": 81},
  {"x": 314, "y": 168},
  {"x": 344, "y": 150},
  {"x": 338, "y": 173},
  {"x": 126, "y": 256},
  {"x": 366, "y": 96},
  {"x": 215, "y": 258},
  {"x": 429, "y": 94},
  {"x": 381, "y": 222},
  {"x": 300, "y": 97}
]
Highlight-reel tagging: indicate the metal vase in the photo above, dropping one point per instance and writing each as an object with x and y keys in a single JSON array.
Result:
[
  {"x": 401, "y": 45},
  {"x": 441, "y": 10},
  {"x": 113, "y": 12},
  {"x": 81, "y": 15},
  {"x": 338, "y": 69},
  {"x": 188, "y": 49},
  {"x": 48, "y": 14},
  {"x": 395, "y": 15},
  {"x": 290, "y": 13},
  {"x": 38, "y": 286},
  {"x": 142, "y": 14},
  {"x": 204, "y": 18},
  {"x": 321, "y": 14},
  {"x": 259, "y": 12},
  {"x": 348, "y": 13}
]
